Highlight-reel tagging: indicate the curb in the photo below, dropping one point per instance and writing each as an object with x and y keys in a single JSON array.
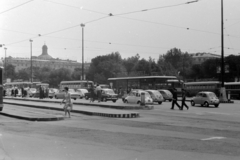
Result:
[
  {"x": 87, "y": 104},
  {"x": 111, "y": 115},
  {"x": 226, "y": 101},
  {"x": 57, "y": 118}
]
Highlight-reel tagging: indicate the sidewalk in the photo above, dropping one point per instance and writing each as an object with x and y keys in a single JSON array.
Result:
[{"x": 83, "y": 109}]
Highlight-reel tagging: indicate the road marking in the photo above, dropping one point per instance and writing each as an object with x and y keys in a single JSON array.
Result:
[{"x": 212, "y": 138}]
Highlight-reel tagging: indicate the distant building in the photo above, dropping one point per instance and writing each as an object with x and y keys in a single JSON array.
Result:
[
  {"x": 199, "y": 58},
  {"x": 44, "y": 60}
]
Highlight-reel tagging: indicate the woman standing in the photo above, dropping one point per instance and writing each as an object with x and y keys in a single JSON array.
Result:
[{"x": 68, "y": 102}]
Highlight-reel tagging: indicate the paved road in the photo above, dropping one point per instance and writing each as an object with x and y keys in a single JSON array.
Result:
[{"x": 196, "y": 134}]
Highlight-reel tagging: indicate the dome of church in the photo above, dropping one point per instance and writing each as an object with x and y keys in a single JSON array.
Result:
[
  {"x": 45, "y": 57},
  {"x": 44, "y": 54}
]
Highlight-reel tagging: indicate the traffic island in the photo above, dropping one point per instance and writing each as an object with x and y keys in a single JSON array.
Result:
[
  {"x": 23, "y": 113},
  {"x": 93, "y": 111}
]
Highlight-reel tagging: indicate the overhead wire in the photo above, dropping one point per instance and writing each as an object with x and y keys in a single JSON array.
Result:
[
  {"x": 155, "y": 8},
  {"x": 15, "y": 7},
  {"x": 118, "y": 15}
]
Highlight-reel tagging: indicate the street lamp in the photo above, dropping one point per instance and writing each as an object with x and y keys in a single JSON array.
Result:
[
  {"x": 5, "y": 73},
  {"x": 82, "y": 25},
  {"x": 223, "y": 96},
  {"x": 31, "y": 57}
]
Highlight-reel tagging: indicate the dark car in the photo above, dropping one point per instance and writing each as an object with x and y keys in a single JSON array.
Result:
[{"x": 108, "y": 95}]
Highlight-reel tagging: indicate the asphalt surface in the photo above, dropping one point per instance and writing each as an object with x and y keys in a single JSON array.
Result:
[{"x": 200, "y": 133}]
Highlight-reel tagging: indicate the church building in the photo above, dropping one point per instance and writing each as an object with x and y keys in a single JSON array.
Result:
[{"x": 44, "y": 60}]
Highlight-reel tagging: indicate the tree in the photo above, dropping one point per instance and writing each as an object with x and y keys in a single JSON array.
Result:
[
  {"x": 10, "y": 72},
  {"x": 58, "y": 75},
  {"x": 107, "y": 66},
  {"x": 174, "y": 57},
  {"x": 142, "y": 67},
  {"x": 76, "y": 74},
  {"x": 129, "y": 63},
  {"x": 23, "y": 74}
]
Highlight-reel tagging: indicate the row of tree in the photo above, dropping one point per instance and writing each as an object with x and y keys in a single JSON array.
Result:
[{"x": 113, "y": 65}]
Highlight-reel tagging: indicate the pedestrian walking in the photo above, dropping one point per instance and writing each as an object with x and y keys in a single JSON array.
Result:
[
  {"x": 68, "y": 102},
  {"x": 22, "y": 91},
  {"x": 16, "y": 92},
  {"x": 174, "y": 100},
  {"x": 99, "y": 92},
  {"x": 40, "y": 92},
  {"x": 92, "y": 94},
  {"x": 184, "y": 99},
  {"x": 12, "y": 92}
]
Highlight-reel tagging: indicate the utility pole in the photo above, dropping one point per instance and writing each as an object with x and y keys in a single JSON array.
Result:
[{"x": 82, "y": 25}]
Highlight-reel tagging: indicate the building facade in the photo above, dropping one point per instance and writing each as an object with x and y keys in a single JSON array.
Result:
[
  {"x": 199, "y": 58},
  {"x": 44, "y": 60}
]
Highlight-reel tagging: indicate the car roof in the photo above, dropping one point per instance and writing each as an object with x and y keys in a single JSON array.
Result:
[
  {"x": 106, "y": 89},
  {"x": 152, "y": 90},
  {"x": 205, "y": 92}
]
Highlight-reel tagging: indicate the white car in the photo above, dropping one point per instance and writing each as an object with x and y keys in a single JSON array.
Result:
[
  {"x": 52, "y": 92},
  {"x": 32, "y": 92},
  {"x": 156, "y": 96},
  {"x": 82, "y": 92},
  {"x": 167, "y": 95},
  {"x": 61, "y": 94},
  {"x": 135, "y": 97},
  {"x": 205, "y": 99}
]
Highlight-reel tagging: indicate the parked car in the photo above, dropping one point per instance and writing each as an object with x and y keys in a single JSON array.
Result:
[
  {"x": 52, "y": 92},
  {"x": 135, "y": 97},
  {"x": 156, "y": 96},
  {"x": 32, "y": 92},
  {"x": 108, "y": 95},
  {"x": 74, "y": 95},
  {"x": 125, "y": 94},
  {"x": 205, "y": 98},
  {"x": 82, "y": 92},
  {"x": 167, "y": 95}
]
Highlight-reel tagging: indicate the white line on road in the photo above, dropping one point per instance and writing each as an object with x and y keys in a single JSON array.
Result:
[{"x": 212, "y": 138}]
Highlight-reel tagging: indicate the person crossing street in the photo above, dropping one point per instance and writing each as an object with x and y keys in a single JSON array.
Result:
[
  {"x": 184, "y": 99},
  {"x": 174, "y": 101}
]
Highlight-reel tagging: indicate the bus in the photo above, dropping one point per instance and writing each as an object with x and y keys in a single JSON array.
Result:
[
  {"x": 193, "y": 88},
  {"x": 233, "y": 90},
  {"x": 10, "y": 85},
  {"x": 76, "y": 84},
  {"x": 145, "y": 82}
]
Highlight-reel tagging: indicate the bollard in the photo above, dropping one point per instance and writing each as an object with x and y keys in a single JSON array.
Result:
[
  {"x": 142, "y": 99},
  {"x": 1, "y": 85}
]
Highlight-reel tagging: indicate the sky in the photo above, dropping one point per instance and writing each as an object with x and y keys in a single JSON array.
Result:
[{"x": 149, "y": 28}]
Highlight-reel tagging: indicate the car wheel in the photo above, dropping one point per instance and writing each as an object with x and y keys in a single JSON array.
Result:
[
  {"x": 74, "y": 98},
  {"x": 125, "y": 101},
  {"x": 86, "y": 97},
  {"x": 56, "y": 97},
  {"x": 104, "y": 100},
  {"x": 159, "y": 102},
  {"x": 170, "y": 100},
  {"x": 114, "y": 101},
  {"x": 192, "y": 103},
  {"x": 216, "y": 105},
  {"x": 206, "y": 104}
]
